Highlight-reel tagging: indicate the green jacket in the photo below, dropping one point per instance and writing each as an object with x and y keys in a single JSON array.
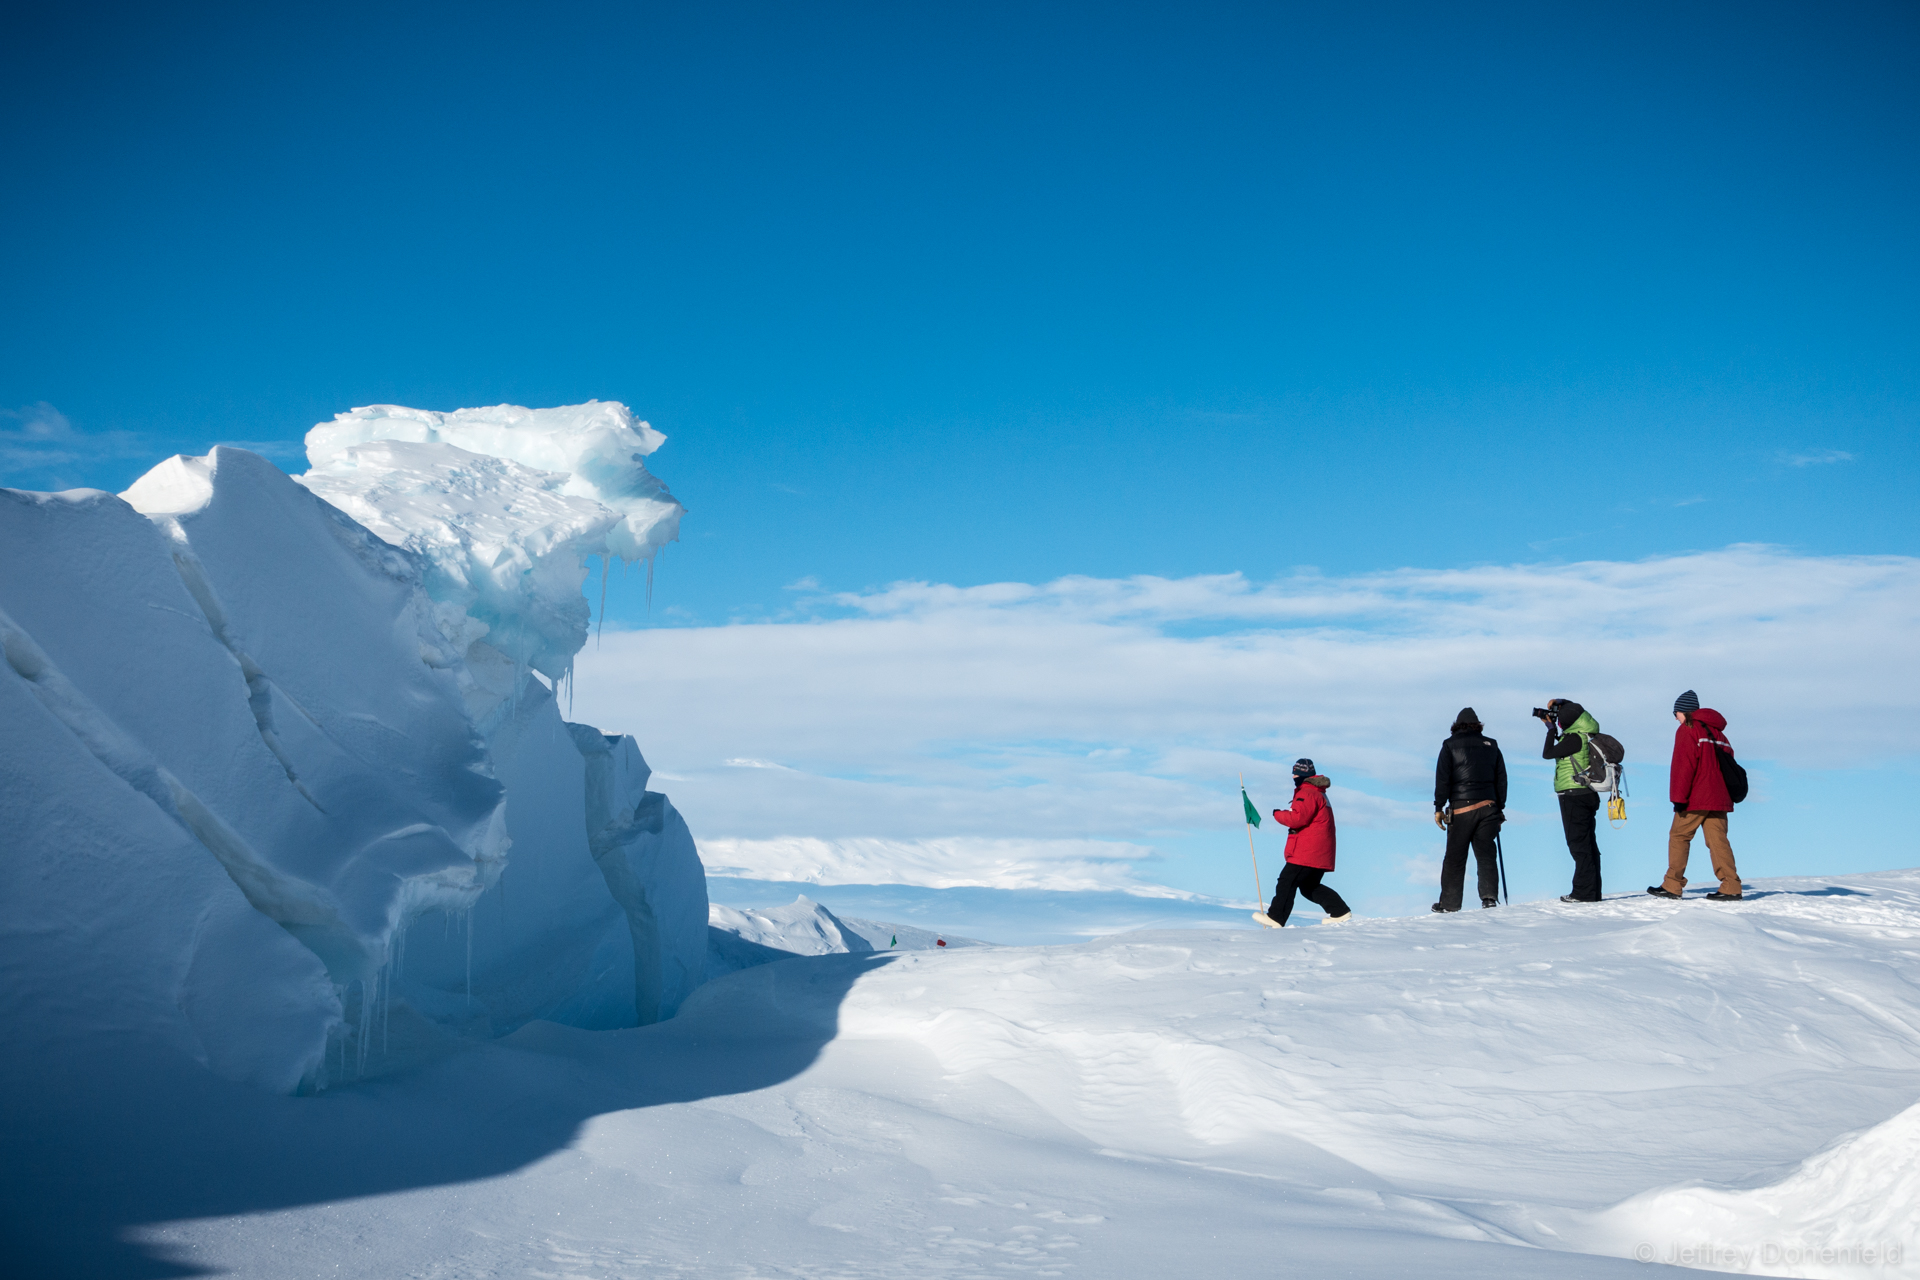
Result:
[{"x": 1565, "y": 768}]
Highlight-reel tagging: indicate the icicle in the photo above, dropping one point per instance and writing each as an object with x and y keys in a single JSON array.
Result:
[
  {"x": 365, "y": 1032},
  {"x": 606, "y": 566}
]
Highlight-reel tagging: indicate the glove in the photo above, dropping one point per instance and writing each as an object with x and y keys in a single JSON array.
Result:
[
  {"x": 1440, "y": 819},
  {"x": 1679, "y": 806}
]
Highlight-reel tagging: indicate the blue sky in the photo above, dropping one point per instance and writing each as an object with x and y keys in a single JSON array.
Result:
[{"x": 989, "y": 293}]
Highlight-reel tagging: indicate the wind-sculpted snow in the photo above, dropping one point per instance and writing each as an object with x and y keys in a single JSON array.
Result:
[
  {"x": 1854, "y": 1207},
  {"x": 1538, "y": 1090},
  {"x": 354, "y": 825}
]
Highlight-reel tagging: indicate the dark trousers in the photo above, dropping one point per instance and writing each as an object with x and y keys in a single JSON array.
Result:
[
  {"x": 1578, "y": 810},
  {"x": 1307, "y": 881},
  {"x": 1477, "y": 828}
]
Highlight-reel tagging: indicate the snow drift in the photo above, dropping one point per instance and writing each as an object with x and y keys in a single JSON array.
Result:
[
  {"x": 1542, "y": 1090},
  {"x": 1848, "y": 1209},
  {"x": 284, "y": 795}
]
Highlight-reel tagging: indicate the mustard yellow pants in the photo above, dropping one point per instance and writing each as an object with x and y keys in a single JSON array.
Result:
[{"x": 1680, "y": 842}]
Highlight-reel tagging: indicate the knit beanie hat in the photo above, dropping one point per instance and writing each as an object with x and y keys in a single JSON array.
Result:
[
  {"x": 1466, "y": 720},
  {"x": 1688, "y": 702},
  {"x": 1303, "y": 768}
]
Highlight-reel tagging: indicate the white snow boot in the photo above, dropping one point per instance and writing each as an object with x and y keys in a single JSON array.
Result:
[
  {"x": 1345, "y": 919},
  {"x": 1266, "y": 920}
]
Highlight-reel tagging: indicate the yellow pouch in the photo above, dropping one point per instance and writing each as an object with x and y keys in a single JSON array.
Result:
[{"x": 1617, "y": 809}]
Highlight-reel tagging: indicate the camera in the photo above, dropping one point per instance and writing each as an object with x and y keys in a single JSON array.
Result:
[{"x": 1541, "y": 713}]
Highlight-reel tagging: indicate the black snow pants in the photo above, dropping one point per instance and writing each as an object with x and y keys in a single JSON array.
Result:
[
  {"x": 1477, "y": 828},
  {"x": 1578, "y": 811},
  {"x": 1307, "y": 881}
]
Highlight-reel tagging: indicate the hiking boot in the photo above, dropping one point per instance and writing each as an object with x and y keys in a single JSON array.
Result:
[
  {"x": 1567, "y": 897},
  {"x": 1489, "y": 902},
  {"x": 1717, "y": 896},
  {"x": 1444, "y": 910},
  {"x": 1659, "y": 891}
]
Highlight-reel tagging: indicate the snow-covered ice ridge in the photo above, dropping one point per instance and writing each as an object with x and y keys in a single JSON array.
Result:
[
  {"x": 281, "y": 790},
  {"x": 1535, "y": 1091},
  {"x": 740, "y": 939}
]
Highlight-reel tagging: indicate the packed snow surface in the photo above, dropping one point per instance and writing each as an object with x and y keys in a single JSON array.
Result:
[{"x": 1535, "y": 1090}]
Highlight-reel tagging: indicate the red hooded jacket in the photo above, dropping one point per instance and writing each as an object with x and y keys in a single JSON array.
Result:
[
  {"x": 1309, "y": 824},
  {"x": 1696, "y": 780}
]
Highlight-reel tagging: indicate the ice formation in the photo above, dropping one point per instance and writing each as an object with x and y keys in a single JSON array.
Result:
[
  {"x": 284, "y": 782},
  {"x": 505, "y": 505}
]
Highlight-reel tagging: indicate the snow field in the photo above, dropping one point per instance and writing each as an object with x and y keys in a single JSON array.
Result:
[{"x": 1445, "y": 1096}]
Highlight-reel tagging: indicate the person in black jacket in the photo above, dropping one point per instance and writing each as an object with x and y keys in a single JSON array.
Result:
[{"x": 1469, "y": 801}]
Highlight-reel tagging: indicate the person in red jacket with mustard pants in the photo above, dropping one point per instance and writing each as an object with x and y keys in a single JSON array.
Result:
[
  {"x": 1309, "y": 824},
  {"x": 1700, "y": 800}
]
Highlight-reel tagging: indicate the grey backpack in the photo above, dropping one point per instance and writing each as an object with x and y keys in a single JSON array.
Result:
[{"x": 1604, "y": 754}]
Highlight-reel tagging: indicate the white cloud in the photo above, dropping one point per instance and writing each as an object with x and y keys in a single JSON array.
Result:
[
  {"x": 1815, "y": 457},
  {"x": 951, "y": 863},
  {"x": 38, "y": 438},
  {"x": 1122, "y": 709},
  {"x": 39, "y": 446}
]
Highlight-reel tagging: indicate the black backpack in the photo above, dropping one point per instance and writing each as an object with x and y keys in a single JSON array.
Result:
[{"x": 1732, "y": 773}]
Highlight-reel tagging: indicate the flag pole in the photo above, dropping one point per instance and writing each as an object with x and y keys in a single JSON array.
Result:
[{"x": 1259, "y": 885}]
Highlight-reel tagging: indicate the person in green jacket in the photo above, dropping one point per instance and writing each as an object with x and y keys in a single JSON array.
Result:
[{"x": 1568, "y": 725}]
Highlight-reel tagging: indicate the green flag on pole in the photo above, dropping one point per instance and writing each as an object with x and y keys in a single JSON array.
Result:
[{"x": 1253, "y": 817}]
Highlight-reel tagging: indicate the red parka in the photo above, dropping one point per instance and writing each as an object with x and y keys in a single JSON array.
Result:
[
  {"x": 1696, "y": 780},
  {"x": 1309, "y": 824}
]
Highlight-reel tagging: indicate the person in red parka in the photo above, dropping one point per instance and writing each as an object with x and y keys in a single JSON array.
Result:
[
  {"x": 1700, "y": 800},
  {"x": 1309, "y": 824}
]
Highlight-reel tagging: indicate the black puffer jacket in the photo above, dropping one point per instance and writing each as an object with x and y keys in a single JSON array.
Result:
[{"x": 1471, "y": 769}]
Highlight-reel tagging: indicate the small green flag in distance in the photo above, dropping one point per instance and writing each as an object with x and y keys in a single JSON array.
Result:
[
  {"x": 1253, "y": 818},
  {"x": 894, "y": 943}
]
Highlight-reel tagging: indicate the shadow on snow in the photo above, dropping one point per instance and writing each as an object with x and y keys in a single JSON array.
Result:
[{"x": 102, "y": 1143}]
